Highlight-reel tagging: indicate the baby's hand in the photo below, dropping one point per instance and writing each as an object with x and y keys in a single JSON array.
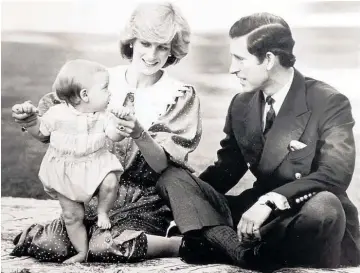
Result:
[
  {"x": 25, "y": 108},
  {"x": 122, "y": 112}
]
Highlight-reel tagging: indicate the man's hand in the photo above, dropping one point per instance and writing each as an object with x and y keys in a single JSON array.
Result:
[{"x": 250, "y": 222}]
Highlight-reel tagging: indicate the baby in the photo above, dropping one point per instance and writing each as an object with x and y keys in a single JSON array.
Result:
[{"x": 77, "y": 163}]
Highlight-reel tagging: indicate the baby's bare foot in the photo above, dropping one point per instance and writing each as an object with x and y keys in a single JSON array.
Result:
[
  {"x": 78, "y": 258},
  {"x": 103, "y": 221}
]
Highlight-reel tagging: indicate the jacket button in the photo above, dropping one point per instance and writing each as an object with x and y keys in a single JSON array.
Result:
[
  {"x": 248, "y": 164},
  {"x": 297, "y": 175}
]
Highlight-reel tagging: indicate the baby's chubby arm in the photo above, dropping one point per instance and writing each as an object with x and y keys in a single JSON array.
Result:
[
  {"x": 28, "y": 109},
  {"x": 111, "y": 129}
]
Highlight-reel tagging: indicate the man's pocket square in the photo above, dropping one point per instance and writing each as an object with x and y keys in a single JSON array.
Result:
[{"x": 296, "y": 145}]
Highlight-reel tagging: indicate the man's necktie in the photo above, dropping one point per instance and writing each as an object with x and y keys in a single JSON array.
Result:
[{"x": 270, "y": 115}]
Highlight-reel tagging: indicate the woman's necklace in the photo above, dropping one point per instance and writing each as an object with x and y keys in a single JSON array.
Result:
[{"x": 144, "y": 81}]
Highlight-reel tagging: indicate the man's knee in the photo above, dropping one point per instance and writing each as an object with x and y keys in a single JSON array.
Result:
[
  {"x": 170, "y": 178},
  {"x": 323, "y": 211}
]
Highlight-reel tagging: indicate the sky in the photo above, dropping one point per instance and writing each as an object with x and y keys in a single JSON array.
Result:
[{"x": 108, "y": 16}]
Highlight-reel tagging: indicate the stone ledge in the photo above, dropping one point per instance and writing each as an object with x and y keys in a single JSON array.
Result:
[{"x": 19, "y": 213}]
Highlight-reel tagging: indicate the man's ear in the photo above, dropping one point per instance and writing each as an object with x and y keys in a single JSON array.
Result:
[
  {"x": 270, "y": 59},
  {"x": 84, "y": 95}
]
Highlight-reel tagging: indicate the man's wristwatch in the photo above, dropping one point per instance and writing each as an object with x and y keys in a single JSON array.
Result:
[{"x": 264, "y": 200}]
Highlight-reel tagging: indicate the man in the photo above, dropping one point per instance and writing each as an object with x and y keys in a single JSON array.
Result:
[{"x": 295, "y": 135}]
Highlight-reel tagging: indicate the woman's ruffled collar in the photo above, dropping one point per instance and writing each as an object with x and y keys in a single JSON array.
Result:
[{"x": 166, "y": 89}]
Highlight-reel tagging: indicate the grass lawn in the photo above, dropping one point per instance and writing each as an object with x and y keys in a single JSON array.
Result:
[{"x": 28, "y": 71}]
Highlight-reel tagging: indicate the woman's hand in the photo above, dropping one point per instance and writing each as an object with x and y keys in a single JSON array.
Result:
[
  {"x": 25, "y": 114},
  {"x": 128, "y": 126},
  {"x": 153, "y": 153}
]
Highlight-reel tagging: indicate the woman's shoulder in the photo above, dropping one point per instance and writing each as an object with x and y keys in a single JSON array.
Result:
[
  {"x": 47, "y": 101},
  {"x": 50, "y": 98},
  {"x": 178, "y": 87}
]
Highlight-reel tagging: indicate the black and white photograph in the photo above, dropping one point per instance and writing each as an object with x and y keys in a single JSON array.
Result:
[{"x": 180, "y": 136}]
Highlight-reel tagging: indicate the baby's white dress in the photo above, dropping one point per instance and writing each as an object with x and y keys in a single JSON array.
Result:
[{"x": 77, "y": 159}]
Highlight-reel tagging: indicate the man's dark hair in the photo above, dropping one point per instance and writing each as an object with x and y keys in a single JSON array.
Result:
[{"x": 267, "y": 33}]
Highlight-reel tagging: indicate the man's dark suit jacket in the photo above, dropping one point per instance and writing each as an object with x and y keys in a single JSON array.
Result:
[{"x": 313, "y": 113}]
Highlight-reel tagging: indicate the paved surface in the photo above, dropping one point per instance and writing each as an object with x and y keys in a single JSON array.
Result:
[{"x": 19, "y": 213}]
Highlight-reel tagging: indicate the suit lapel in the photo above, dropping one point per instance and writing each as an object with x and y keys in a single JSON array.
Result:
[
  {"x": 248, "y": 131},
  {"x": 289, "y": 125}
]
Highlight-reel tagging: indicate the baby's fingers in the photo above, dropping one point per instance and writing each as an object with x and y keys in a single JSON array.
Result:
[
  {"x": 34, "y": 110},
  {"x": 17, "y": 109},
  {"x": 29, "y": 108},
  {"x": 126, "y": 112},
  {"x": 115, "y": 112}
]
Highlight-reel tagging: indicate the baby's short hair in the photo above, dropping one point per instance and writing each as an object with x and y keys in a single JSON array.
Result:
[{"x": 74, "y": 76}]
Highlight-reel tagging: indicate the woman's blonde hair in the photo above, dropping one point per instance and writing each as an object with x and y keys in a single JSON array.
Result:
[{"x": 160, "y": 23}]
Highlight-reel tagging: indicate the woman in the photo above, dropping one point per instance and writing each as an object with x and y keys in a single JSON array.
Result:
[{"x": 164, "y": 130}]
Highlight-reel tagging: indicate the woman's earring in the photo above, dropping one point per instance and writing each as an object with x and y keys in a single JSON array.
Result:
[
  {"x": 131, "y": 45},
  {"x": 170, "y": 55}
]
